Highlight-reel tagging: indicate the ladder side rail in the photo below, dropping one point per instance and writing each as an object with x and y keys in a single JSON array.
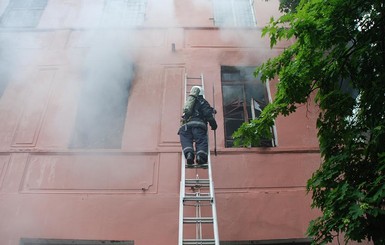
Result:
[
  {"x": 181, "y": 197},
  {"x": 198, "y": 225},
  {"x": 213, "y": 205},
  {"x": 199, "y": 234},
  {"x": 202, "y": 83},
  {"x": 182, "y": 182},
  {"x": 185, "y": 87},
  {"x": 211, "y": 187}
]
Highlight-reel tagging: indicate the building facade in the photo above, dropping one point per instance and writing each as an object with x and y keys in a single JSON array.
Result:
[{"x": 91, "y": 98}]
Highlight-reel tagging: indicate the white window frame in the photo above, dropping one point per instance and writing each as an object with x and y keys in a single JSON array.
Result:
[
  {"x": 274, "y": 128},
  {"x": 274, "y": 140}
]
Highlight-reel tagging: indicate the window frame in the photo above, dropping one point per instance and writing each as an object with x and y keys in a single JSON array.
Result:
[{"x": 242, "y": 112}]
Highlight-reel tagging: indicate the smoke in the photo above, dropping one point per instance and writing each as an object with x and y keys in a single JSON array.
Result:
[{"x": 107, "y": 74}]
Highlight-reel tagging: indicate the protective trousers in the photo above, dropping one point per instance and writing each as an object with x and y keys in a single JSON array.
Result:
[{"x": 188, "y": 135}]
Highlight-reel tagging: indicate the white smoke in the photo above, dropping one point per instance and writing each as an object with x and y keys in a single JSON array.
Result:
[{"x": 107, "y": 74}]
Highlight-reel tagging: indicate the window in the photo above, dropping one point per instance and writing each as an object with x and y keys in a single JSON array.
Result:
[
  {"x": 26, "y": 241},
  {"x": 102, "y": 111},
  {"x": 244, "y": 98},
  {"x": 123, "y": 13},
  {"x": 23, "y": 13},
  {"x": 231, "y": 13}
]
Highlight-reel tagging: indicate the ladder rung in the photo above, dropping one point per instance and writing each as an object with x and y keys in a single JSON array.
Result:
[
  {"x": 204, "y": 166},
  {"x": 194, "y": 194},
  {"x": 197, "y": 198},
  {"x": 194, "y": 220},
  {"x": 198, "y": 204},
  {"x": 197, "y": 183},
  {"x": 199, "y": 241},
  {"x": 193, "y": 78}
]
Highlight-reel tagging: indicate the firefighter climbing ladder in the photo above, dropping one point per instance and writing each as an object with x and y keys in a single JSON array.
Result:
[{"x": 197, "y": 212}]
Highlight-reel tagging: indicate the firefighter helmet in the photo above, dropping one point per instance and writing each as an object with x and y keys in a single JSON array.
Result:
[{"x": 196, "y": 90}]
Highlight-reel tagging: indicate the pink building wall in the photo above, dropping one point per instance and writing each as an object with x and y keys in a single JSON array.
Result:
[{"x": 51, "y": 191}]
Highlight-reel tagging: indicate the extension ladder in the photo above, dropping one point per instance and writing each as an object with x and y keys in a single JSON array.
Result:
[{"x": 197, "y": 212}]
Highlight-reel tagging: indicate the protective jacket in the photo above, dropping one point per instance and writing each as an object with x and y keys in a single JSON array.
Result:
[{"x": 201, "y": 115}]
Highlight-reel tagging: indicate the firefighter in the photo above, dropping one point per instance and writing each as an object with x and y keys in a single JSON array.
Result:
[{"x": 197, "y": 113}]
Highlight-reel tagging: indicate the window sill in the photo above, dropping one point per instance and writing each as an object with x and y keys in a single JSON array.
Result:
[{"x": 268, "y": 150}]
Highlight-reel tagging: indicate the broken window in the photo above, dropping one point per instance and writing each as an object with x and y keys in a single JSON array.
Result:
[
  {"x": 244, "y": 98},
  {"x": 23, "y": 13},
  {"x": 234, "y": 13},
  {"x": 124, "y": 13}
]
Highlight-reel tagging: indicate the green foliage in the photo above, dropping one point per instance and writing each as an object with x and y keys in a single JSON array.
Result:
[{"x": 337, "y": 42}]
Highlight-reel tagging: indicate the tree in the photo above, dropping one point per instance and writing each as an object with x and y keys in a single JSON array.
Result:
[{"x": 338, "y": 54}]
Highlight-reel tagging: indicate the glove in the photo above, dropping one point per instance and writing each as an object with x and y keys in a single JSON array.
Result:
[{"x": 213, "y": 124}]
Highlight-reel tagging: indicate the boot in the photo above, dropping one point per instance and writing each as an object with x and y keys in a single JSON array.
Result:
[
  {"x": 201, "y": 159},
  {"x": 190, "y": 158}
]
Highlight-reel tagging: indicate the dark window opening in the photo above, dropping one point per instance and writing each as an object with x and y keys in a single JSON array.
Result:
[
  {"x": 102, "y": 112},
  {"x": 244, "y": 98},
  {"x": 23, "y": 13},
  {"x": 27, "y": 241}
]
